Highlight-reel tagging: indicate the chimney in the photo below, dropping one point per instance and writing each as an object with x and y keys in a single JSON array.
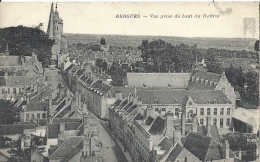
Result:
[
  {"x": 150, "y": 144},
  {"x": 79, "y": 104},
  {"x": 176, "y": 137},
  {"x": 31, "y": 84},
  {"x": 183, "y": 124},
  {"x": 227, "y": 149},
  {"x": 62, "y": 127},
  {"x": 50, "y": 100},
  {"x": 169, "y": 125},
  {"x": 82, "y": 159},
  {"x": 77, "y": 98},
  {"x": 6, "y": 75},
  {"x": 119, "y": 95},
  {"x": 208, "y": 125},
  {"x": 35, "y": 87}
]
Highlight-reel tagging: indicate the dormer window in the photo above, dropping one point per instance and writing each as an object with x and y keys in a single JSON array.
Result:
[
  {"x": 214, "y": 101},
  {"x": 195, "y": 101},
  {"x": 190, "y": 103},
  {"x": 208, "y": 101}
]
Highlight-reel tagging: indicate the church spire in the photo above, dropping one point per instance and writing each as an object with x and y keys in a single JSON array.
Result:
[{"x": 50, "y": 30}]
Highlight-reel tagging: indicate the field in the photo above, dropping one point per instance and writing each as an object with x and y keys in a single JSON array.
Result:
[{"x": 135, "y": 41}]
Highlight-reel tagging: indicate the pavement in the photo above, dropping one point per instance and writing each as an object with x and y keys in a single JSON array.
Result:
[
  {"x": 53, "y": 78},
  {"x": 107, "y": 145}
]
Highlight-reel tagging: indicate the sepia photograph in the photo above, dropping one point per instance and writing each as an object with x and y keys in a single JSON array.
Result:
[{"x": 129, "y": 82}]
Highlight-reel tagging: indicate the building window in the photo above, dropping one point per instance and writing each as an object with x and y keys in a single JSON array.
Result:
[
  {"x": 215, "y": 111},
  {"x": 176, "y": 111},
  {"x": 227, "y": 122},
  {"x": 222, "y": 111},
  {"x": 156, "y": 109},
  {"x": 27, "y": 117},
  {"x": 201, "y": 111},
  {"x": 38, "y": 116},
  {"x": 215, "y": 121},
  {"x": 8, "y": 91},
  {"x": 201, "y": 121},
  {"x": 14, "y": 90},
  {"x": 228, "y": 111},
  {"x": 163, "y": 109},
  {"x": 43, "y": 115},
  {"x": 208, "y": 111},
  {"x": 32, "y": 116},
  {"x": 221, "y": 123},
  {"x": 3, "y": 91}
]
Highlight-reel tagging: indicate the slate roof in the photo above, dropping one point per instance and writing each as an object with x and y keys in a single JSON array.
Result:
[
  {"x": 176, "y": 96},
  {"x": 203, "y": 147},
  {"x": 15, "y": 81},
  {"x": 15, "y": 128},
  {"x": 72, "y": 125},
  {"x": 101, "y": 87},
  {"x": 10, "y": 61},
  {"x": 207, "y": 76},
  {"x": 166, "y": 144},
  {"x": 198, "y": 145},
  {"x": 201, "y": 85},
  {"x": 68, "y": 146},
  {"x": 176, "y": 80},
  {"x": 174, "y": 153},
  {"x": 53, "y": 130},
  {"x": 149, "y": 120},
  {"x": 37, "y": 106},
  {"x": 157, "y": 125}
]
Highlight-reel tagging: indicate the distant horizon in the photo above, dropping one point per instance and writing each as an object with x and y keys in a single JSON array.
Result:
[
  {"x": 91, "y": 18},
  {"x": 164, "y": 36}
]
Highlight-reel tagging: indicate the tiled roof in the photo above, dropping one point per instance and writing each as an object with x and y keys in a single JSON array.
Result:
[
  {"x": 67, "y": 147},
  {"x": 175, "y": 80},
  {"x": 157, "y": 126},
  {"x": 53, "y": 130},
  {"x": 15, "y": 128},
  {"x": 207, "y": 76}
]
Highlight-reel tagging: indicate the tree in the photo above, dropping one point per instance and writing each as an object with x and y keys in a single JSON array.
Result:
[
  {"x": 8, "y": 113},
  {"x": 24, "y": 40},
  {"x": 117, "y": 74},
  {"x": 103, "y": 41}
]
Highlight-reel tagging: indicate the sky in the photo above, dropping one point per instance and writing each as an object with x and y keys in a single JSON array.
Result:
[{"x": 235, "y": 20}]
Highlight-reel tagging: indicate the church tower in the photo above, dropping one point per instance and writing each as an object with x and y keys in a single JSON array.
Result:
[
  {"x": 55, "y": 25},
  {"x": 50, "y": 30}
]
